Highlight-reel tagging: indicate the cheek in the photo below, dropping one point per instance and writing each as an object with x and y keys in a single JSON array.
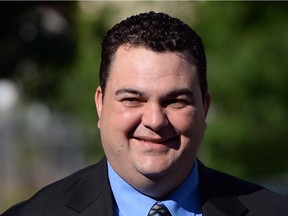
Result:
[
  {"x": 188, "y": 123},
  {"x": 125, "y": 118},
  {"x": 181, "y": 120}
]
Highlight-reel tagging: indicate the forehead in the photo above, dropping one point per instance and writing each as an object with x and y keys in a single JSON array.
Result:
[
  {"x": 135, "y": 61},
  {"x": 154, "y": 73}
]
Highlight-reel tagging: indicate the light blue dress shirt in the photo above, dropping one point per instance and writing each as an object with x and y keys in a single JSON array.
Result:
[{"x": 184, "y": 201}]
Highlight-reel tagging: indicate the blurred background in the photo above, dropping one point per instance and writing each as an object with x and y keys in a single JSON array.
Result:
[{"x": 49, "y": 61}]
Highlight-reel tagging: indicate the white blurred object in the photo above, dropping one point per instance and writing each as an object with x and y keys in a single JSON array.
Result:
[{"x": 9, "y": 95}]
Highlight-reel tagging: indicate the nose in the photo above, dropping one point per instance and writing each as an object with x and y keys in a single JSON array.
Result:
[{"x": 154, "y": 117}]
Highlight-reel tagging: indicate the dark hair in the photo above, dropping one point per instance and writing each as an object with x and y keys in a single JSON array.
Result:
[{"x": 158, "y": 32}]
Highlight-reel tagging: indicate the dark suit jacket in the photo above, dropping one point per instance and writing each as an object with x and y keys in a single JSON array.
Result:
[{"x": 88, "y": 193}]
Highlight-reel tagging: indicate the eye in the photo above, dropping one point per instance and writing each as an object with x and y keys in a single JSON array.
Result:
[
  {"x": 131, "y": 101},
  {"x": 176, "y": 103}
]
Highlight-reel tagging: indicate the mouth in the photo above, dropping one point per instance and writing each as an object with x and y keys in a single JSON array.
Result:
[
  {"x": 160, "y": 141},
  {"x": 156, "y": 141}
]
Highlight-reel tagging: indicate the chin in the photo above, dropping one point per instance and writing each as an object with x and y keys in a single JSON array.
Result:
[{"x": 154, "y": 171}]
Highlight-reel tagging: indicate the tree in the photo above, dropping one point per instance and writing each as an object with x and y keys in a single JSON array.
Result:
[{"x": 247, "y": 70}]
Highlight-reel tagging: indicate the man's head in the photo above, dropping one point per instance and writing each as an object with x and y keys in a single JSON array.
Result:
[
  {"x": 158, "y": 32},
  {"x": 152, "y": 117}
]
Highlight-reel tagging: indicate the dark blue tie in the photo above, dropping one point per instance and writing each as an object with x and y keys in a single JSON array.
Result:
[{"x": 159, "y": 210}]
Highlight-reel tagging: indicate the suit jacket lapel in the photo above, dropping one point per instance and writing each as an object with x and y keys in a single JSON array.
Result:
[
  {"x": 92, "y": 194},
  {"x": 217, "y": 198}
]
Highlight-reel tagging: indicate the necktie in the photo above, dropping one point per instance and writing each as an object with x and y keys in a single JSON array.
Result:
[{"x": 159, "y": 209}]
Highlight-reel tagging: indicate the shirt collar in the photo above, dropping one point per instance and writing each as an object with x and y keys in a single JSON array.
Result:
[{"x": 183, "y": 201}]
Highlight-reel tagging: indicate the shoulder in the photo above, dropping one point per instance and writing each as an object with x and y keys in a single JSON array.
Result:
[
  {"x": 223, "y": 183},
  {"x": 216, "y": 185},
  {"x": 54, "y": 197}
]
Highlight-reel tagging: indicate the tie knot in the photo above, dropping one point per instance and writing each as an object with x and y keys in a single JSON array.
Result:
[{"x": 159, "y": 209}]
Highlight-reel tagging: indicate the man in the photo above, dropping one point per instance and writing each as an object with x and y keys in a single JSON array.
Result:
[{"x": 152, "y": 103}]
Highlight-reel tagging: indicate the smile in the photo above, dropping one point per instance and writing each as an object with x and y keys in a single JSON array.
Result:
[
  {"x": 155, "y": 141},
  {"x": 160, "y": 141}
]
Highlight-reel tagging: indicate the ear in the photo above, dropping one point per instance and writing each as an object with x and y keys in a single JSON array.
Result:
[
  {"x": 99, "y": 103},
  {"x": 206, "y": 103}
]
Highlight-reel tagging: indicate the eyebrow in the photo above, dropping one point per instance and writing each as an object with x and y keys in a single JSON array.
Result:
[
  {"x": 129, "y": 91},
  {"x": 173, "y": 93},
  {"x": 179, "y": 92}
]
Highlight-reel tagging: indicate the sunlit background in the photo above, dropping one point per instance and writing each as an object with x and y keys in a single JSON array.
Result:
[{"x": 49, "y": 61}]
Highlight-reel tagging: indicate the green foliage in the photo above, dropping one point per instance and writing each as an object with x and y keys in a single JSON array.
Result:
[
  {"x": 247, "y": 49},
  {"x": 77, "y": 90}
]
